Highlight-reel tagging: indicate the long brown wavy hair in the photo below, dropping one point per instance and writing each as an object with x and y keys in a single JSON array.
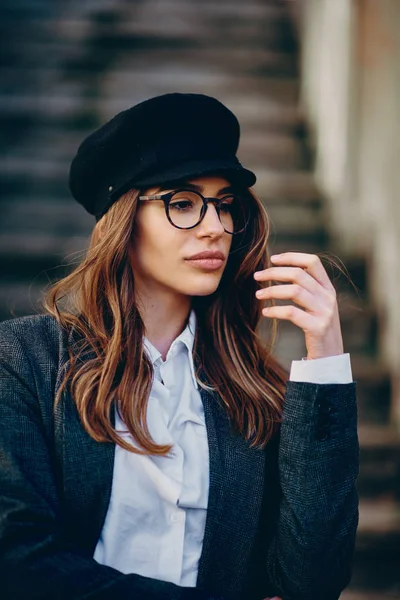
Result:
[{"x": 108, "y": 363}]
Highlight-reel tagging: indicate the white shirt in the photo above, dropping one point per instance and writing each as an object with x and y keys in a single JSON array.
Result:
[{"x": 156, "y": 517}]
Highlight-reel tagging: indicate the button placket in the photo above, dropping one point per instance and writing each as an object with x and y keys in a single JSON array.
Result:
[
  {"x": 177, "y": 517},
  {"x": 172, "y": 556}
]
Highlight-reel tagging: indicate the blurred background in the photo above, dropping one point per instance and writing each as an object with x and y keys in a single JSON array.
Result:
[{"x": 315, "y": 85}]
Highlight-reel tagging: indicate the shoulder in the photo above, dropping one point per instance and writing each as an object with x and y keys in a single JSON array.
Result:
[
  {"x": 36, "y": 338},
  {"x": 33, "y": 329},
  {"x": 32, "y": 353}
]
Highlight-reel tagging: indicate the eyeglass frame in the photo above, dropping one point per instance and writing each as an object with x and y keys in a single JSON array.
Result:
[{"x": 167, "y": 196}]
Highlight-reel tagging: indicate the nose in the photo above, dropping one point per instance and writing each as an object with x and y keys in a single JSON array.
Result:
[{"x": 211, "y": 225}]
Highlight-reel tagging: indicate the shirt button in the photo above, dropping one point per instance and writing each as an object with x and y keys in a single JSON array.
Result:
[{"x": 177, "y": 517}]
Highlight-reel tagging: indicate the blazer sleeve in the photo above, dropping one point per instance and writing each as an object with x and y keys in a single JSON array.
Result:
[
  {"x": 310, "y": 555},
  {"x": 35, "y": 560}
]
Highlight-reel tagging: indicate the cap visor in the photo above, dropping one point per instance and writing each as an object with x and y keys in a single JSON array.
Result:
[{"x": 197, "y": 168}]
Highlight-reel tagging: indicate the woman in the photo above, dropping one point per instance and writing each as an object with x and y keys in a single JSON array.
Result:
[{"x": 151, "y": 445}]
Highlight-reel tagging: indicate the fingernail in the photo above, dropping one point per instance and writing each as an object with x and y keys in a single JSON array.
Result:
[
  {"x": 275, "y": 256},
  {"x": 257, "y": 275}
]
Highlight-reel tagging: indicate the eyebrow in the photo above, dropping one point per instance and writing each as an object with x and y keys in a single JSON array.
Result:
[{"x": 193, "y": 186}]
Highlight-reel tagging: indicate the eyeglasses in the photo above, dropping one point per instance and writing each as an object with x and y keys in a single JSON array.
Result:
[{"x": 185, "y": 209}]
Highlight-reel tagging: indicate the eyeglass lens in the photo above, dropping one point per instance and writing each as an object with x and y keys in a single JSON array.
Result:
[{"x": 186, "y": 210}]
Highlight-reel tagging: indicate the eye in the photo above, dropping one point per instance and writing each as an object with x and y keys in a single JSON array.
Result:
[
  {"x": 181, "y": 205},
  {"x": 227, "y": 204},
  {"x": 185, "y": 201}
]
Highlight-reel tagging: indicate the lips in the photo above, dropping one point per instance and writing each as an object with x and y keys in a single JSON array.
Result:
[
  {"x": 208, "y": 254},
  {"x": 208, "y": 260}
]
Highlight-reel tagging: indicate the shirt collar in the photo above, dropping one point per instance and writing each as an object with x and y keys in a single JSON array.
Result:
[{"x": 186, "y": 337}]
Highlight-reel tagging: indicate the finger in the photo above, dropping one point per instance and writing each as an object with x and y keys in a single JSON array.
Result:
[
  {"x": 314, "y": 303},
  {"x": 295, "y": 292},
  {"x": 311, "y": 262},
  {"x": 299, "y": 317},
  {"x": 290, "y": 274}
]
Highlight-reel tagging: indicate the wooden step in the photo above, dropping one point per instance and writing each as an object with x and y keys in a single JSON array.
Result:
[
  {"x": 44, "y": 215},
  {"x": 379, "y": 461},
  {"x": 357, "y": 268},
  {"x": 18, "y": 299},
  {"x": 269, "y": 11},
  {"x": 231, "y": 55},
  {"x": 67, "y": 102},
  {"x": 209, "y": 79},
  {"x": 359, "y": 325},
  {"x": 260, "y": 23},
  {"x": 278, "y": 151},
  {"x": 275, "y": 187},
  {"x": 260, "y": 113},
  {"x": 377, "y": 555},
  {"x": 32, "y": 167},
  {"x": 373, "y": 389}
]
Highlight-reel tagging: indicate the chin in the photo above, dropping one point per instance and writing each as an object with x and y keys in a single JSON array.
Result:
[
  {"x": 203, "y": 292},
  {"x": 202, "y": 284},
  {"x": 205, "y": 289}
]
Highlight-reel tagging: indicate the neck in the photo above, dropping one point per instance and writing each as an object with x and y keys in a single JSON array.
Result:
[{"x": 164, "y": 316}]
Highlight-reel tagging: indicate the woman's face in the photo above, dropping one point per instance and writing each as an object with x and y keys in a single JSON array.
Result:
[{"x": 161, "y": 253}]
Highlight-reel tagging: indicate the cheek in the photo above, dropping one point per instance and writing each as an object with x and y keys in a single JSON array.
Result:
[
  {"x": 156, "y": 249},
  {"x": 158, "y": 253}
]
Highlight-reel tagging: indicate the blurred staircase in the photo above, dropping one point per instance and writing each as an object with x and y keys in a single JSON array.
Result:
[{"x": 68, "y": 67}]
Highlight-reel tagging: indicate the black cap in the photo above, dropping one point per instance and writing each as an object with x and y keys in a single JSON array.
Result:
[{"x": 160, "y": 140}]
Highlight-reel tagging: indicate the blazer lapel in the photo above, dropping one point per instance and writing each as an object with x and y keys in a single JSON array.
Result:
[
  {"x": 234, "y": 504},
  {"x": 86, "y": 471}
]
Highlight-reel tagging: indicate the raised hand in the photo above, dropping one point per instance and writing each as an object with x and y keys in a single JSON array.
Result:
[{"x": 312, "y": 290}]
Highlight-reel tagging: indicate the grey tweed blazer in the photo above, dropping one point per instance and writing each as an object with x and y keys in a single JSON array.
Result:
[{"x": 280, "y": 521}]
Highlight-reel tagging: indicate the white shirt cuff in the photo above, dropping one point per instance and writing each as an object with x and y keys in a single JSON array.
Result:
[{"x": 331, "y": 369}]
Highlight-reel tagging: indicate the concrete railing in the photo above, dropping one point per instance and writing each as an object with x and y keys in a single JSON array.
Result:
[{"x": 350, "y": 56}]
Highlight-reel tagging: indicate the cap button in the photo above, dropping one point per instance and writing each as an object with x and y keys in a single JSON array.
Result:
[{"x": 110, "y": 189}]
